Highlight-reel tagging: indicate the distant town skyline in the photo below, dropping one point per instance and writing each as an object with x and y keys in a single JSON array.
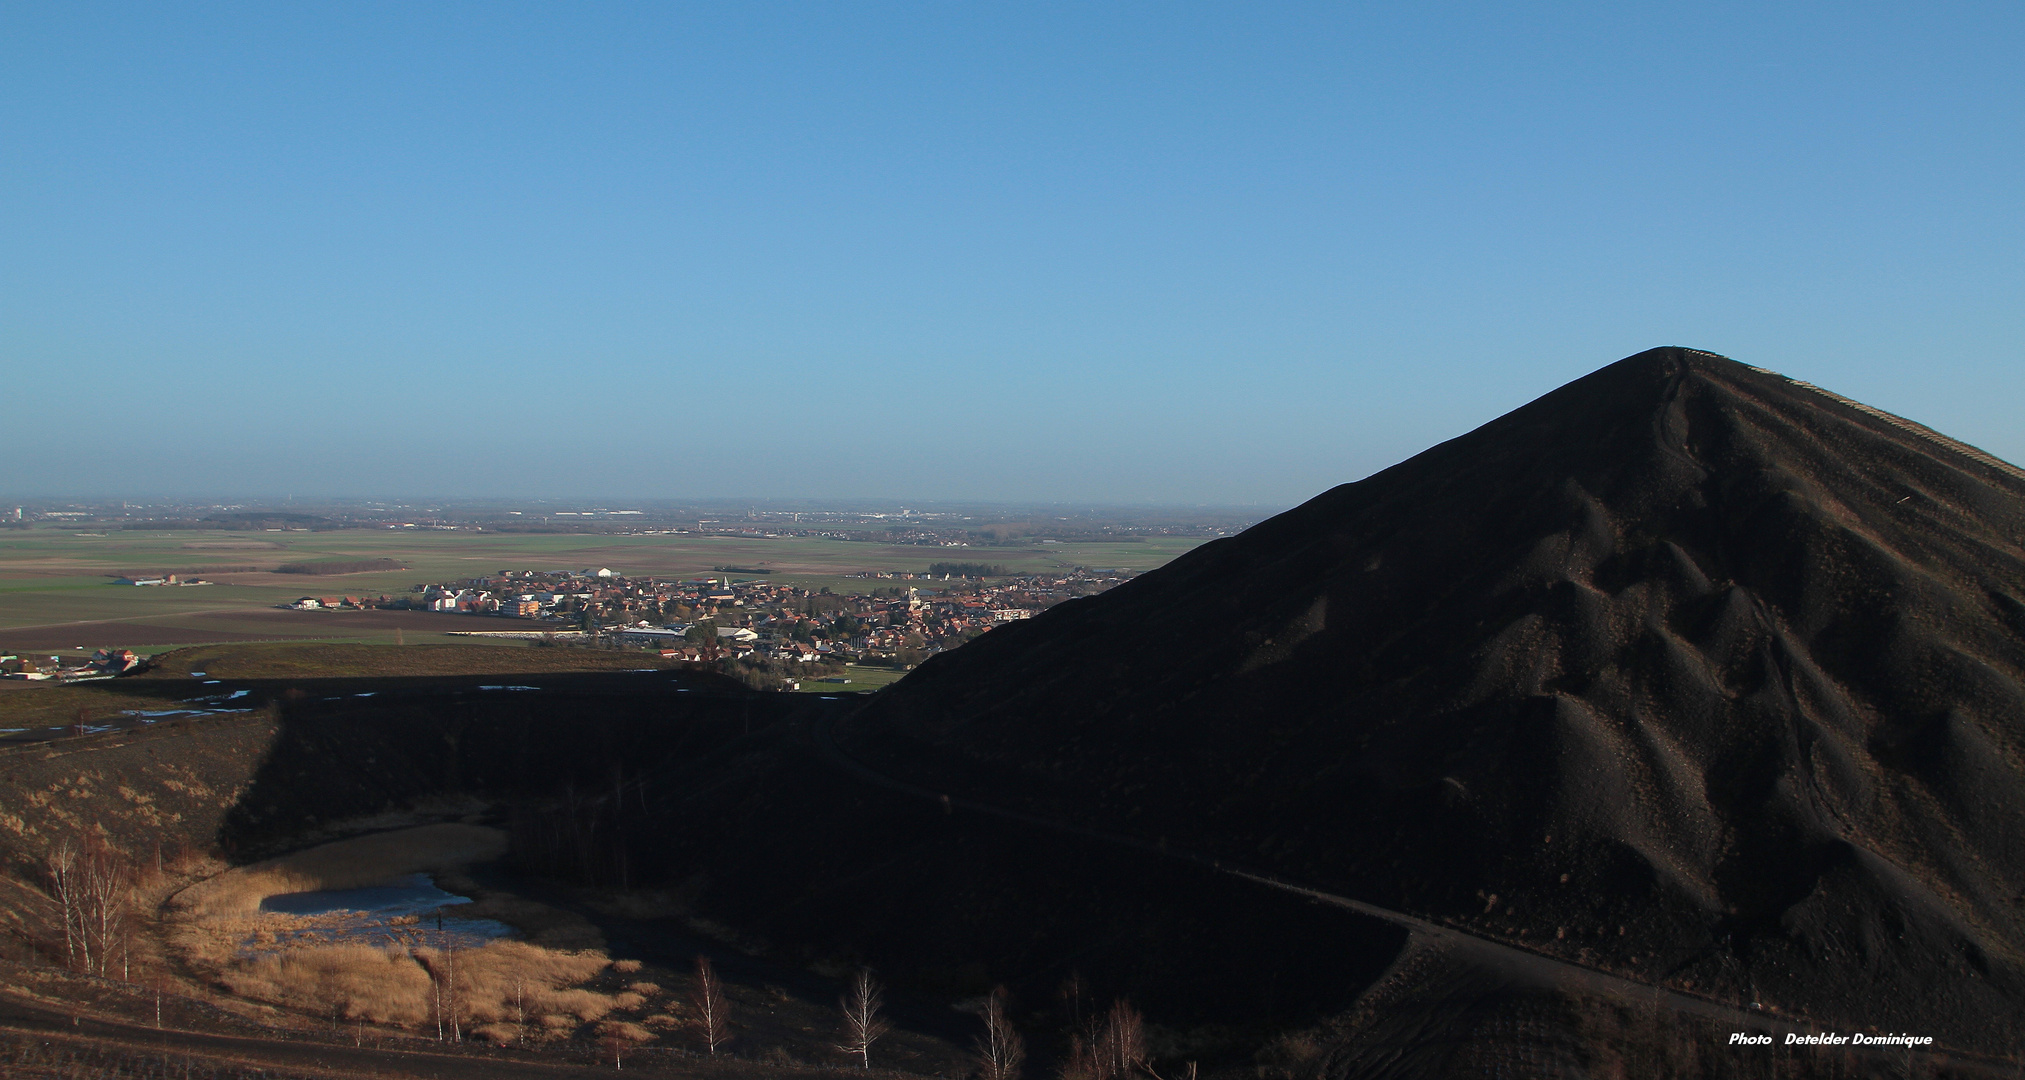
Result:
[{"x": 1180, "y": 254}]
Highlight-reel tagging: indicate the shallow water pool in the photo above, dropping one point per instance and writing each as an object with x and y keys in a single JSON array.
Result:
[{"x": 407, "y": 910}]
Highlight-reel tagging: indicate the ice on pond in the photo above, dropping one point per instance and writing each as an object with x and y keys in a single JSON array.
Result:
[{"x": 407, "y": 910}]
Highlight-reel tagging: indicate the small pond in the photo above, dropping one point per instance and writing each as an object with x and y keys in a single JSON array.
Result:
[{"x": 408, "y": 910}]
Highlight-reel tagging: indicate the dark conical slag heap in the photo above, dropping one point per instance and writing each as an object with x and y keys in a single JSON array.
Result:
[{"x": 1685, "y": 670}]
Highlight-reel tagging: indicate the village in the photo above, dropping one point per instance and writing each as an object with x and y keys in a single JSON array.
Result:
[
  {"x": 771, "y": 633},
  {"x": 103, "y": 664}
]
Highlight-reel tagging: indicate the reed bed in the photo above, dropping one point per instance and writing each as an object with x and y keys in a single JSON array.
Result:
[
  {"x": 501, "y": 990},
  {"x": 503, "y": 982}
]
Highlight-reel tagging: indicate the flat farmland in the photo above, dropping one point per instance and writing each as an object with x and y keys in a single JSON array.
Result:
[
  {"x": 244, "y": 677},
  {"x": 56, "y": 590},
  {"x": 160, "y": 632}
]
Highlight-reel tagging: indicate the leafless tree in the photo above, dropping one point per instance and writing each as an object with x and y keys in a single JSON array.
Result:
[
  {"x": 456, "y": 1027},
  {"x": 862, "y": 1023},
  {"x": 617, "y": 1045},
  {"x": 93, "y": 889},
  {"x": 1121, "y": 1046},
  {"x": 67, "y": 888},
  {"x": 436, "y": 998},
  {"x": 713, "y": 1013},
  {"x": 1116, "y": 1052},
  {"x": 107, "y": 888},
  {"x": 1000, "y": 1050}
]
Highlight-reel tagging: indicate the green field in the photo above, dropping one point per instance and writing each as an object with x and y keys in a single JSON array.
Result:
[
  {"x": 861, "y": 678},
  {"x": 55, "y": 585}
]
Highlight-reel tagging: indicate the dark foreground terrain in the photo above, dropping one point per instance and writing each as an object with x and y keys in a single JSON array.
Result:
[
  {"x": 1237, "y": 974},
  {"x": 1681, "y": 704}
]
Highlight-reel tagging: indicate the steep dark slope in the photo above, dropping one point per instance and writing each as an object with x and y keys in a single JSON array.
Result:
[{"x": 1685, "y": 669}]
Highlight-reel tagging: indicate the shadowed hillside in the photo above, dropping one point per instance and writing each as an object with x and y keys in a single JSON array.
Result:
[{"x": 1685, "y": 670}]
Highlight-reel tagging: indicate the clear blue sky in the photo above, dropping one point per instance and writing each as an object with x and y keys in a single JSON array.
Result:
[{"x": 1179, "y": 253}]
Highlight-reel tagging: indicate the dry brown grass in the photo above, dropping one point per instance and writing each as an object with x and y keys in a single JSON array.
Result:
[
  {"x": 505, "y": 982},
  {"x": 620, "y": 1029},
  {"x": 302, "y": 967},
  {"x": 359, "y": 982},
  {"x": 498, "y": 1034},
  {"x": 546, "y": 981}
]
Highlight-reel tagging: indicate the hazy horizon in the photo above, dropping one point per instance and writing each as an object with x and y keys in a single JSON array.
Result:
[
  {"x": 1124, "y": 255},
  {"x": 282, "y": 503}
]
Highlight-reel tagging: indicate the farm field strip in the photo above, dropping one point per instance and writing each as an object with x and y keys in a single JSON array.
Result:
[
  {"x": 245, "y": 624},
  {"x": 56, "y": 586}
]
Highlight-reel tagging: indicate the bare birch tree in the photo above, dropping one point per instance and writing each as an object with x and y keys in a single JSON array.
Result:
[
  {"x": 519, "y": 1006},
  {"x": 68, "y": 892},
  {"x": 713, "y": 1013},
  {"x": 1121, "y": 1046},
  {"x": 456, "y": 1025},
  {"x": 863, "y": 1025},
  {"x": 436, "y": 996},
  {"x": 93, "y": 890},
  {"x": 1000, "y": 1050},
  {"x": 107, "y": 889}
]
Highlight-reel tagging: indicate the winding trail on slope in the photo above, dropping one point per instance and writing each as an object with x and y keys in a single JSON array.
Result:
[{"x": 1520, "y": 967}]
